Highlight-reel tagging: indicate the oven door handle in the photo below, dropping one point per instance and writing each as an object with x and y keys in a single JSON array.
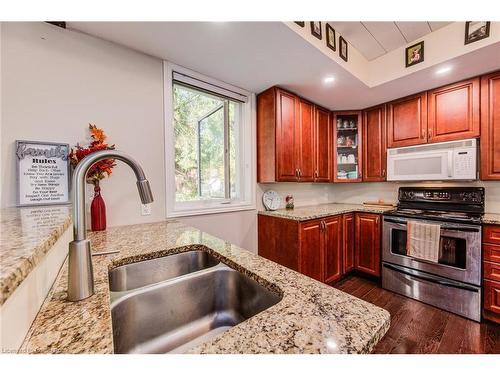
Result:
[
  {"x": 431, "y": 279},
  {"x": 396, "y": 221},
  {"x": 443, "y": 227},
  {"x": 461, "y": 229}
]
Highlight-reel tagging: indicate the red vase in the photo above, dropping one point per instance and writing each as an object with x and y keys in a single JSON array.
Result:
[{"x": 98, "y": 210}]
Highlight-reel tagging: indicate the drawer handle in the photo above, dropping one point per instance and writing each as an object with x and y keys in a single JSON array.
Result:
[{"x": 431, "y": 279}]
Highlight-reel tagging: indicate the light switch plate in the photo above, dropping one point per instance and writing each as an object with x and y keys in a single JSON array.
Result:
[{"x": 145, "y": 209}]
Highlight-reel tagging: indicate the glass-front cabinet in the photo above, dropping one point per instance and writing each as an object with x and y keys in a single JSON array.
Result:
[{"x": 347, "y": 146}]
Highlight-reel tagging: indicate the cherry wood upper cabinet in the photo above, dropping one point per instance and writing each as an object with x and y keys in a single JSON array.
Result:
[
  {"x": 323, "y": 145},
  {"x": 348, "y": 236},
  {"x": 407, "y": 121},
  {"x": 333, "y": 248},
  {"x": 311, "y": 249},
  {"x": 347, "y": 146},
  {"x": 374, "y": 145},
  {"x": 286, "y": 137},
  {"x": 367, "y": 250},
  {"x": 453, "y": 111},
  {"x": 292, "y": 139},
  {"x": 276, "y": 136},
  {"x": 305, "y": 142},
  {"x": 490, "y": 126}
]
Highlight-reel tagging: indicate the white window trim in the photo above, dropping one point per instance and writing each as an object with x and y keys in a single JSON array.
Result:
[{"x": 248, "y": 151}]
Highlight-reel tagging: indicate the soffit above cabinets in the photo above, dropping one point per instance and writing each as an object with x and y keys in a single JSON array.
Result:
[
  {"x": 258, "y": 55},
  {"x": 374, "y": 39}
]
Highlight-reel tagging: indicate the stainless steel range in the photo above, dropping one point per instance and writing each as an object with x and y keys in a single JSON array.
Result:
[{"x": 452, "y": 281}]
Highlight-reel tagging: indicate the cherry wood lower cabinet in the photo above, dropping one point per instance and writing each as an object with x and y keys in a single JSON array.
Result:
[
  {"x": 311, "y": 249},
  {"x": 367, "y": 250},
  {"x": 324, "y": 249},
  {"x": 491, "y": 272},
  {"x": 333, "y": 248},
  {"x": 320, "y": 253},
  {"x": 348, "y": 234}
]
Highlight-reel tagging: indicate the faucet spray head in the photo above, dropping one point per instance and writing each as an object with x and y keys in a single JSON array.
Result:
[{"x": 144, "y": 191}]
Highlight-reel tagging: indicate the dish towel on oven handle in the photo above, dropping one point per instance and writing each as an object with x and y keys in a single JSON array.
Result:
[{"x": 423, "y": 240}]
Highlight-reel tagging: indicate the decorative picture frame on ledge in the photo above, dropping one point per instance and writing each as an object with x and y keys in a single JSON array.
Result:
[
  {"x": 476, "y": 30},
  {"x": 42, "y": 173},
  {"x": 331, "y": 40},
  {"x": 414, "y": 54},
  {"x": 316, "y": 29},
  {"x": 343, "y": 49}
]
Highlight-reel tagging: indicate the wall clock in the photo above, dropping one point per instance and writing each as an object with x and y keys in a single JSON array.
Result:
[{"x": 271, "y": 200}]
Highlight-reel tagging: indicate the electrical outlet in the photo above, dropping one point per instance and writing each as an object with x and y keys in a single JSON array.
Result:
[{"x": 145, "y": 209}]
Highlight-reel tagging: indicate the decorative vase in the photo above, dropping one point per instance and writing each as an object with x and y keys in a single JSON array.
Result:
[{"x": 97, "y": 210}]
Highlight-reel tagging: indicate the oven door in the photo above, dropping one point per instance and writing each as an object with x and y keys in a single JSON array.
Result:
[{"x": 459, "y": 254}]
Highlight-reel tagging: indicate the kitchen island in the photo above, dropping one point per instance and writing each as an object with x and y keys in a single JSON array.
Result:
[{"x": 310, "y": 318}]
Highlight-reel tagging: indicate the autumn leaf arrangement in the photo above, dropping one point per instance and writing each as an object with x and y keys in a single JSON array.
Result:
[{"x": 102, "y": 168}]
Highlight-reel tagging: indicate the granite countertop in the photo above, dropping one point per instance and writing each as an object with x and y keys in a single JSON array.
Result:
[
  {"x": 312, "y": 317},
  {"x": 324, "y": 210},
  {"x": 491, "y": 218},
  {"x": 26, "y": 235}
]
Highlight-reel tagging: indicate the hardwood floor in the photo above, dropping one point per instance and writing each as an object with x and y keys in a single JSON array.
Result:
[{"x": 420, "y": 328}]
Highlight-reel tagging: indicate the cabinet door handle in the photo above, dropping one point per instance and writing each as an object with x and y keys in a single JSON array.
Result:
[
  {"x": 296, "y": 172},
  {"x": 424, "y": 133},
  {"x": 300, "y": 173},
  {"x": 383, "y": 172},
  {"x": 316, "y": 174}
]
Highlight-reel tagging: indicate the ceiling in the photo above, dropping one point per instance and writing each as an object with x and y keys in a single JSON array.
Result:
[
  {"x": 258, "y": 55},
  {"x": 374, "y": 39}
]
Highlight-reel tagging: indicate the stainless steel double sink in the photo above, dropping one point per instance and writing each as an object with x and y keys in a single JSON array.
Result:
[{"x": 173, "y": 303}]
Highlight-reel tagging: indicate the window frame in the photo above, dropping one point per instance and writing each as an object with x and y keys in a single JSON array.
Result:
[{"x": 247, "y": 150}]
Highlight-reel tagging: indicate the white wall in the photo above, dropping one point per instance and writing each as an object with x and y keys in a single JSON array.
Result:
[
  {"x": 55, "y": 81},
  {"x": 304, "y": 194},
  {"x": 359, "y": 193}
]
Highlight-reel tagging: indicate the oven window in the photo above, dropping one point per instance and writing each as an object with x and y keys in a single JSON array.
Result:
[
  {"x": 452, "y": 250},
  {"x": 398, "y": 242}
]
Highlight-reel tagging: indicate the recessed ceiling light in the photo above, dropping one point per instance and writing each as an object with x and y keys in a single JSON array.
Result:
[
  {"x": 443, "y": 70},
  {"x": 329, "y": 79}
]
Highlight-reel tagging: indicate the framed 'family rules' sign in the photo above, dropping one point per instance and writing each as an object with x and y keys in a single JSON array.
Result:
[{"x": 42, "y": 173}]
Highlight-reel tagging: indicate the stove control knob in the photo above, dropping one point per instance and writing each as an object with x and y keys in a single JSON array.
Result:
[{"x": 470, "y": 197}]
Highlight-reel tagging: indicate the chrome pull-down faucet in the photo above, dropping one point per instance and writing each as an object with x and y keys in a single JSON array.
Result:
[{"x": 80, "y": 273}]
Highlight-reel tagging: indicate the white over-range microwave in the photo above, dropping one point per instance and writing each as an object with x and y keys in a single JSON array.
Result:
[{"x": 456, "y": 160}]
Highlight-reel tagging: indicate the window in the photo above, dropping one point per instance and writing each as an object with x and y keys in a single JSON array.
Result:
[{"x": 210, "y": 142}]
